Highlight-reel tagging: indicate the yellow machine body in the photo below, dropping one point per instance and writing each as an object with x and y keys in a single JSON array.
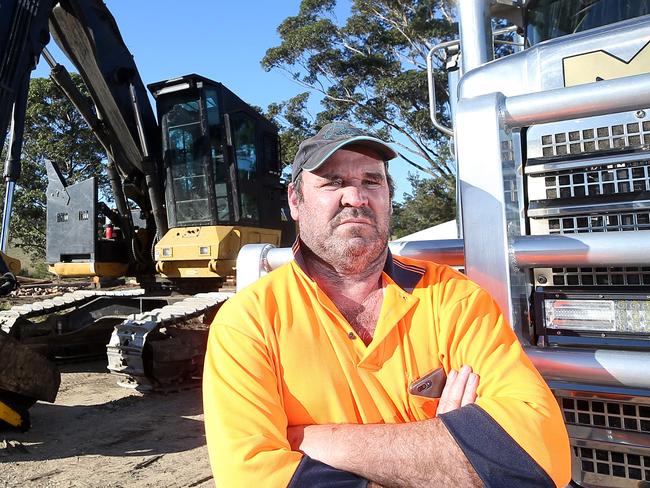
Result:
[
  {"x": 12, "y": 263},
  {"x": 207, "y": 252},
  {"x": 10, "y": 416},
  {"x": 89, "y": 269}
]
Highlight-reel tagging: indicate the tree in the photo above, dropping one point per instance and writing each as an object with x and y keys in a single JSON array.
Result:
[
  {"x": 292, "y": 118},
  {"x": 371, "y": 70},
  {"x": 431, "y": 202},
  {"x": 54, "y": 130}
]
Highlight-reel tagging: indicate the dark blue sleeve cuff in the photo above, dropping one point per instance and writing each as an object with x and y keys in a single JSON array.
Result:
[
  {"x": 314, "y": 474},
  {"x": 496, "y": 457}
]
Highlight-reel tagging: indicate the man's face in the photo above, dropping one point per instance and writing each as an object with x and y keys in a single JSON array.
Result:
[{"x": 345, "y": 209}]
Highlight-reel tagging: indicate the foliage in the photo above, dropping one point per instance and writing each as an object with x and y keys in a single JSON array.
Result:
[
  {"x": 54, "y": 130},
  {"x": 431, "y": 202},
  {"x": 295, "y": 126},
  {"x": 371, "y": 70}
]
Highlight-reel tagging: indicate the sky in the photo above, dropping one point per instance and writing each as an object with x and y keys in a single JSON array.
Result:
[{"x": 223, "y": 40}]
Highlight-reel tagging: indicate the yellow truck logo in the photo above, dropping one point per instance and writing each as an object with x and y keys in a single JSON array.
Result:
[{"x": 601, "y": 65}]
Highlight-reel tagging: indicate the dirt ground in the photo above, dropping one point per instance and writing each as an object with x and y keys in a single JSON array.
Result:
[{"x": 99, "y": 434}]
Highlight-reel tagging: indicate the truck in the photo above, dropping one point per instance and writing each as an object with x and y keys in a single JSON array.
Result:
[
  {"x": 552, "y": 152},
  {"x": 553, "y": 167},
  {"x": 190, "y": 187}
]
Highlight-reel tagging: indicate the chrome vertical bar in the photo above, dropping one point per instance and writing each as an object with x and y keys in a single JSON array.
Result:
[
  {"x": 487, "y": 173},
  {"x": 475, "y": 33}
]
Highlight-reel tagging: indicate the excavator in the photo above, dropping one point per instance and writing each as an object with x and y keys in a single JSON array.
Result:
[{"x": 191, "y": 185}]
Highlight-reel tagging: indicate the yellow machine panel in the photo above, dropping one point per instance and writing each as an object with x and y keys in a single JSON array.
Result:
[
  {"x": 81, "y": 270},
  {"x": 207, "y": 252},
  {"x": 9, "y": 415},
  {"x": 12, "y": 263}
]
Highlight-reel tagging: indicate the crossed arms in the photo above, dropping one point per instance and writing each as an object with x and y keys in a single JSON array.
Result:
[{"x": 397, "y": 454}]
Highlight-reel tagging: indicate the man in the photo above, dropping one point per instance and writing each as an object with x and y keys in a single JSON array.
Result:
[{"x": 307, "y": 375}]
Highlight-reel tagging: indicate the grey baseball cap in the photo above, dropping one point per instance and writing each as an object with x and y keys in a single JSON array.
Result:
[{"x": 313, "y": 152}]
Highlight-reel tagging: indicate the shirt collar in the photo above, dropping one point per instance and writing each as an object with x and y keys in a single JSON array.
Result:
[{"x": 406, "y": 276}]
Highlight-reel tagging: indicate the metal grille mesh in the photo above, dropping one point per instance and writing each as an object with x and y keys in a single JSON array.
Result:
[
  {"x": 600, "y": 276},
  {"x": 596, "y": 139},
  {"x": 609, "y": 414},
  {"x": 606, "y": 414},
  {"x": 597, "y": 223},
  {"x": 613, "y": 463},
  {"x": 623, "y": 178},
  {"x": 598, "y": 182}
]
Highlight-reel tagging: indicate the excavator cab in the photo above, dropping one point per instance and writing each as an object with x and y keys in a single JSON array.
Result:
[{"x": 222, "y": 179}]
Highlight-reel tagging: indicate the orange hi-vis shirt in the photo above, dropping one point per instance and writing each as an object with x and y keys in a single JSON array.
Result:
[{"x": 280, "y": 354}]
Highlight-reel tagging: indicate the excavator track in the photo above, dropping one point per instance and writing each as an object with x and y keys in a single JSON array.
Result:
[
  {"x": 9, "y": 318},
  {"x": 73, "y": 325},
  {"x": 163, "y": 349},
  {"x": 159, "y": 348}
]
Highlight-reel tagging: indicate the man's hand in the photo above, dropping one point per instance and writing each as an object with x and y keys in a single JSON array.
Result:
[
  {"x": 295, "y": 436},
  {"x": 460, "y": 390}
]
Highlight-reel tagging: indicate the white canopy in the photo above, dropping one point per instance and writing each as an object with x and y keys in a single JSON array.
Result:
[{"x": 446, "y": 230}]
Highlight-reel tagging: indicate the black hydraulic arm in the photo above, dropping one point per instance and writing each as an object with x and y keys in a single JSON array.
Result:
[
  {"x": 87, "y": 33},
  {"x": 60, "y": 75},
  {"x": 12, "y": 164},
  {"x": 122, "y": 116},
  {"x": 23, "y": 34}
]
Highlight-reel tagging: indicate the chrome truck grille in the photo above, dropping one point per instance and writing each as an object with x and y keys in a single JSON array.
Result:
[
  {"x": 585, "y": 176},
  {"x": 606, "y": 413},
  {"x": 557, "y": 142},
  {"x": 606, "y": 180},
  {"x": 590, "y": 175},
  {"x": 613, "y": 435},
  {"x": 616, "y": 464},
  {"x": 575, "y": 177},
  {"x": 618, "y": 276}
]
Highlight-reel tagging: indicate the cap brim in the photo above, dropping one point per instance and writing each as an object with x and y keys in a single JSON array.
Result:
[{"x": 318, "y": 159}]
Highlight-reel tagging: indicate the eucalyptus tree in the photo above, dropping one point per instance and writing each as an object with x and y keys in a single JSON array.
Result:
[{"x": 369, "y": 68}]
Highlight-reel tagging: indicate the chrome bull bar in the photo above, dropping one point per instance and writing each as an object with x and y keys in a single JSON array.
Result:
[
  {"x": 604, "y": 368},
  {"x": 256, "y": 260}
]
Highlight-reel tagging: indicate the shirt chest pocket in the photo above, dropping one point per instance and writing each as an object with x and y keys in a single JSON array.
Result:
[{"x": 422, "y": 408}]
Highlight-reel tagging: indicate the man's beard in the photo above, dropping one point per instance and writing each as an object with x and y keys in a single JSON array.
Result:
[{"x": 354, "y": 250}]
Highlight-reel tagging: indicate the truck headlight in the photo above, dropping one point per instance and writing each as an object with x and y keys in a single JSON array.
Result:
[{"x": 617, "y": 315}]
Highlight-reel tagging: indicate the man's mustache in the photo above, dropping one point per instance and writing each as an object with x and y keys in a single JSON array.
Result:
[{"x": 353, "y": 213}]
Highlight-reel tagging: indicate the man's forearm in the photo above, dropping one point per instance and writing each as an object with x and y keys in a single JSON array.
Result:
[{"x": 413, "y": 454}]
